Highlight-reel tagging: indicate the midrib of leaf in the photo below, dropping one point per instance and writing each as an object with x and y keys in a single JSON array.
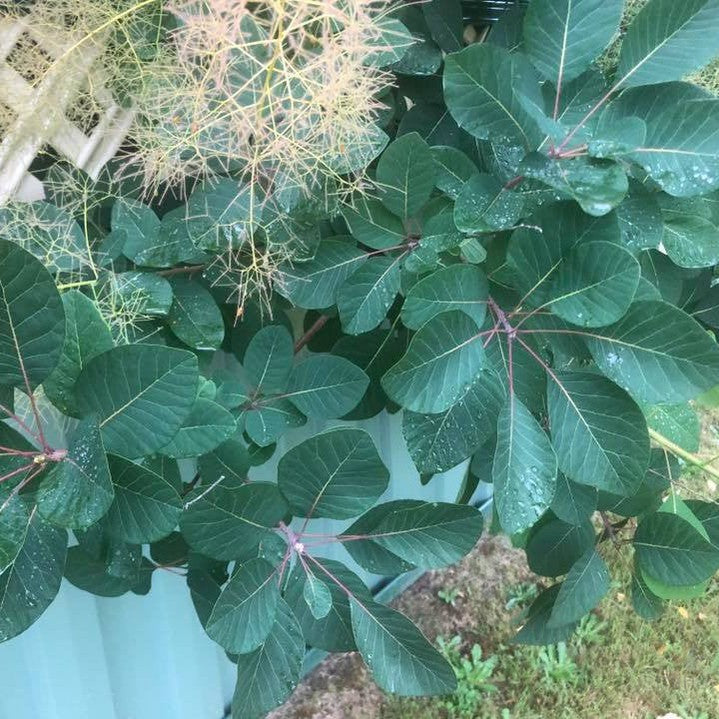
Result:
[
  {"x": 447, "y": 414},
  {"x": 150, "y": 498},
  {"x": 606, "y": 339},
  {"x": 379, "y": 281},
  {"x": 136, "y": 397},
  {"x": 585, "y": 288},
  {"x": 255, "y": 591},
  {"x": 237, "y": 516},
  {"x": 268, "y": 361},
  {"x": 19, "y": 549},
  {"x": 411, "y": 530},
  {"x": 675, "y": 151},
  {"x": 313, "y": 389},
  {"x": 496, "y": 99},
  {"x": 190, "y": 318},
  {"x": 388, "y": 633},
  {"x": 322, "y": 270},
  {"x": 560, "y": 72},
  {"x": 330, "y": 478},
  {"x": 454, "y": 349},
  {"x": 658, "y": 47},
  {"x": 576, "y": 409}
]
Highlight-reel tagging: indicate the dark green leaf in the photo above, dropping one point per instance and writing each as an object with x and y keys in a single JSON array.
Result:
[
  {"x": 486, "y": 205},
  {"x": 535, "y": 255},
  {"x": 672, "y": 551},
  {"x": 583, "y": 588},
  {"x": 444, "y": 19},
  {"x": 333, "y": 633},
  {"x": 457, "y": 287},
  {"x": 267, "y": 675},
  {"x": 573, "y": 503},
  {"x": 437, "y": 442},
  {"x": 400, "y": 658},
  {"x": 268, "y": 360},
  {"x": 318, "y": 597},
  {"x": 454, "y": 169},
  {"x": 708, "y": 514},
  {"x": 373, "y": 352},
  {"x": 368, "y": 553},
  {"x": 667, "y": 41},
  {"x": 536, "y": 629},
  {"x": 326, "y": 386},
  {"x": 135, "y": 388},
  {"x": 169, "y": 245},
  {"x": 595, "y": 284},
  {"x": 146, "y": 505},
  {"x": 677, "y": 422},
  {"x": 194, "y": 316},
  {"x": 405, "y": 175},
  {"x": 691, "y": 241},
  {"x": 647, "y": 605},
  {"x": 528, "y": 376},
  {"x": 366, "y": 295},
  {"x": 32, "y": 579},
  {"x": 141, "y": 227},
  {"x": 598, "y": 432},
  {"x": 640, "y": 219},
  {"x": 482, "y": 84},
  {"x": 205, "y": 578},
  {"x": 13, "y": 523},
  {"x": 372, "y": 224},
  {"x": 245, "y": 611},
  {"x": 335, "y": 474},
  {"x": 86, "y": 335},
  {"x": 206, "y": 426},
  {"x": 32, "y": 319},
  {"x": 314, "y": 284},
  {"x": 222, "y": 214},
  {"x": 90, "y": 574},
  {"x": 680, "y": 150},
  {"x": 442, "y": 358},
  {"x": 562, "y": 38},
  {"x": 524, "y": 471},
  {"x": 554, "y": 546},
  {"x": 598, "y": 187},
  {"x": 270, "y": 420},
  {"x": 78, "y": 491},
  {"x": 223, "y": 522},
  {"x": 658, "y": 353},
  {"x": 146, "y": 293},
  {"x": 427, "y": 534}
]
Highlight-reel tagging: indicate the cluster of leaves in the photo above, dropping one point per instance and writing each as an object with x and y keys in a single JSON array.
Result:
[{"x": 531, "y": 284}]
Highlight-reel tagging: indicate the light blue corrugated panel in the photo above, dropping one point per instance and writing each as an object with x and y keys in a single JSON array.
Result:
[{"x": 148, "y": 657}]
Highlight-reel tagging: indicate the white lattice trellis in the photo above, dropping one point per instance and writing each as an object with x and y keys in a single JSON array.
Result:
[{"x": 41, "y": 108}]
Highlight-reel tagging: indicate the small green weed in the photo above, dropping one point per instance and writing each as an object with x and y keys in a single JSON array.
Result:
[
  {"x": 449, "y": 595},
  {"x": 557, "y": 666},
  {"x": 520, "y": 595},
  {"x": 474, "y": 678}
]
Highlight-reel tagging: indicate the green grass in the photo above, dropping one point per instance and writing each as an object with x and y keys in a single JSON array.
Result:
[{"x": 617, "y": 665}]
